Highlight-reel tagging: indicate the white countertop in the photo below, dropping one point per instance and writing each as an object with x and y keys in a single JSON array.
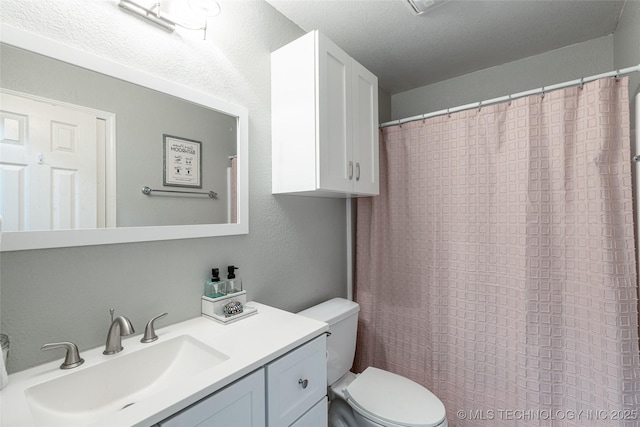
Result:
[{"x": 250, "y": 343}]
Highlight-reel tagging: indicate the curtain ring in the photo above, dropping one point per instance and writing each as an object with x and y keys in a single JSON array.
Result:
[
  {"x": 423, "y": 118},
  {"x": 509, "y": 100},
  {"x": 617, "y": 77},
  {"x": 581, "y": 86},
  {"x": 542, "y": 93},
  {"x": 449, "y": 112},
  {"x": 479, "y": 106}
]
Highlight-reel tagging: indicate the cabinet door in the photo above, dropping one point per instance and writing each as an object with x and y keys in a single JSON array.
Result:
[
  {"x": 241, "y": 404},
  {"x": 318, "y": 416},
  {"x": 335, "y": 164},
  {"x": 365, "y": 130},
  {"x": 296, "y": 382},
  {"x": 293, "y": 116}
]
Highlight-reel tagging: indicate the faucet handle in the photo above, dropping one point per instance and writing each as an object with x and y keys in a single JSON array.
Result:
[
  {"x": 149, "y": 330},
  {"x": 72, "y": 359}
]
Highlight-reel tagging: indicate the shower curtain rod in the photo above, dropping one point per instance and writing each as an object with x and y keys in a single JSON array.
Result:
[{"x": 541, "y": 90}]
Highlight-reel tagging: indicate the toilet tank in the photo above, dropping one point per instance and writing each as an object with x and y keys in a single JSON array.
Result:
[{"x": 342, "y": 317}]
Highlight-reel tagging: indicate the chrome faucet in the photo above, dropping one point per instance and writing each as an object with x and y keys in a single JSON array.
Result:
[
  {"x": 150, "y": 331},
  {"x": 120, "y": 327},
  {"x": 72, "y": 358}
]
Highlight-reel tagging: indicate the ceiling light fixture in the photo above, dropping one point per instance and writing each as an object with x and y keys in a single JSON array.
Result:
[
  {"x": 420, "y": 7},
  {"x": 154, "y": 13}
]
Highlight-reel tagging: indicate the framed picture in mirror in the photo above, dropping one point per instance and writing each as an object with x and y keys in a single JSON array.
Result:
[{"x": 182, "y": 162}]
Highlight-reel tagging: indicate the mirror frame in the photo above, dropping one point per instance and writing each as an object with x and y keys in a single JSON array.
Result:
[{"x": 26, "y": 240}]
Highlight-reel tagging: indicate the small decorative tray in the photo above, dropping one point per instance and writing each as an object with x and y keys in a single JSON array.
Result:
[{"x": 227, "y": 309}]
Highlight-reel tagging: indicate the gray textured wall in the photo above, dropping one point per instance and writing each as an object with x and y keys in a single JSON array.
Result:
[
  {"x": 626, "y": 50},
  {"x": 556, "y": 66},
  {"x": 384, "y": 106},
  {"x": 620, "y": 50},
  {"x": 294, "y": 255}
]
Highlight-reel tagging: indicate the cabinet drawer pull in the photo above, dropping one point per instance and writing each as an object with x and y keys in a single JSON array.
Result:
[
  {"x": 358, "y": 171},
  {"x": 350, "y": 170},
  {"x": 303, "y": 383}
]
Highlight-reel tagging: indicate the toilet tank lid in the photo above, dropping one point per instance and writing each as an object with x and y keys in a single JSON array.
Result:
[{"x": 331, "y": 311}]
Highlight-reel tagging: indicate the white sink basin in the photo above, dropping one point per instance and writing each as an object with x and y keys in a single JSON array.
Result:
[{"x": 87, "y": 395}]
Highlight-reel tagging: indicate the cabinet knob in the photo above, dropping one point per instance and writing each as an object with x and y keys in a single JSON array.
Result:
[
  {"x": 303, "y": 383},
  {"x": 350, "y": 170}
]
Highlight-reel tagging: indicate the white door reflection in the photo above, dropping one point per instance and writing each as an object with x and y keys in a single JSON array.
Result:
[{"x": 50, "y": 156}]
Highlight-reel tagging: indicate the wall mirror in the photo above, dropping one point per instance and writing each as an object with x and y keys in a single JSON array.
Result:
[{"x": 189, "y": 149}]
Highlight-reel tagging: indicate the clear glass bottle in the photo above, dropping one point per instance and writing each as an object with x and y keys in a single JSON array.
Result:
[
  {"x": 234, "y": 284},
  {"x": 215, "y": 287}
]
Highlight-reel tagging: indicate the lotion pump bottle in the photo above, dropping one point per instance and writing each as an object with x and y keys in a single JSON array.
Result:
[
  {"x": 234, "y": 284},
  {"x": 215, "y": 287}
]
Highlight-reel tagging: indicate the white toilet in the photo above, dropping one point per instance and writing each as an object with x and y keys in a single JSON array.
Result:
[{"x": 374, "y": 398}]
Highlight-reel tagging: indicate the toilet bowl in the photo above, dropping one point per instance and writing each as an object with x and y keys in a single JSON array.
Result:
[{"x": 374, "y": 398}]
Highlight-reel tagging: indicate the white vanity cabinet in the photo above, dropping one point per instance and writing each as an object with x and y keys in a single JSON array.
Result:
[
  {"x": 288, "y": 391},
  {"x": 266, "y": 369},
  {"x": 240, "y": 404},
  {"x": 324, "y": 108}
]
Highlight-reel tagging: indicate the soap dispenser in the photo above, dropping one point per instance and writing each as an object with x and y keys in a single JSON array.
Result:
[
  {"x": 215, "y": 287},
  {"x": 234, "y": 284}
]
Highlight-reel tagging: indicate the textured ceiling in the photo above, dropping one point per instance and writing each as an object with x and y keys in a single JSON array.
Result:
[{"x": 407, "y": 51}]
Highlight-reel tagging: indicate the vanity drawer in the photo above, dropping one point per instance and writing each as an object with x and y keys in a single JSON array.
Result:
[{"x": 296, "y": 382}]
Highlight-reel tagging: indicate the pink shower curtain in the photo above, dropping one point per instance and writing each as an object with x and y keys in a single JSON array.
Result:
[{"x": 497, "y": 266}]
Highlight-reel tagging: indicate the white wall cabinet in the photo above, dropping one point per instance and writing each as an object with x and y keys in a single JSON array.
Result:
[
  {"x": 324, "y": 108},
  {"x": 289, "y": 391}
]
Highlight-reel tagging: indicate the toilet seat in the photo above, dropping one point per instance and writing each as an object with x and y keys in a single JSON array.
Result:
[{"x": 393, "y": 400}]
